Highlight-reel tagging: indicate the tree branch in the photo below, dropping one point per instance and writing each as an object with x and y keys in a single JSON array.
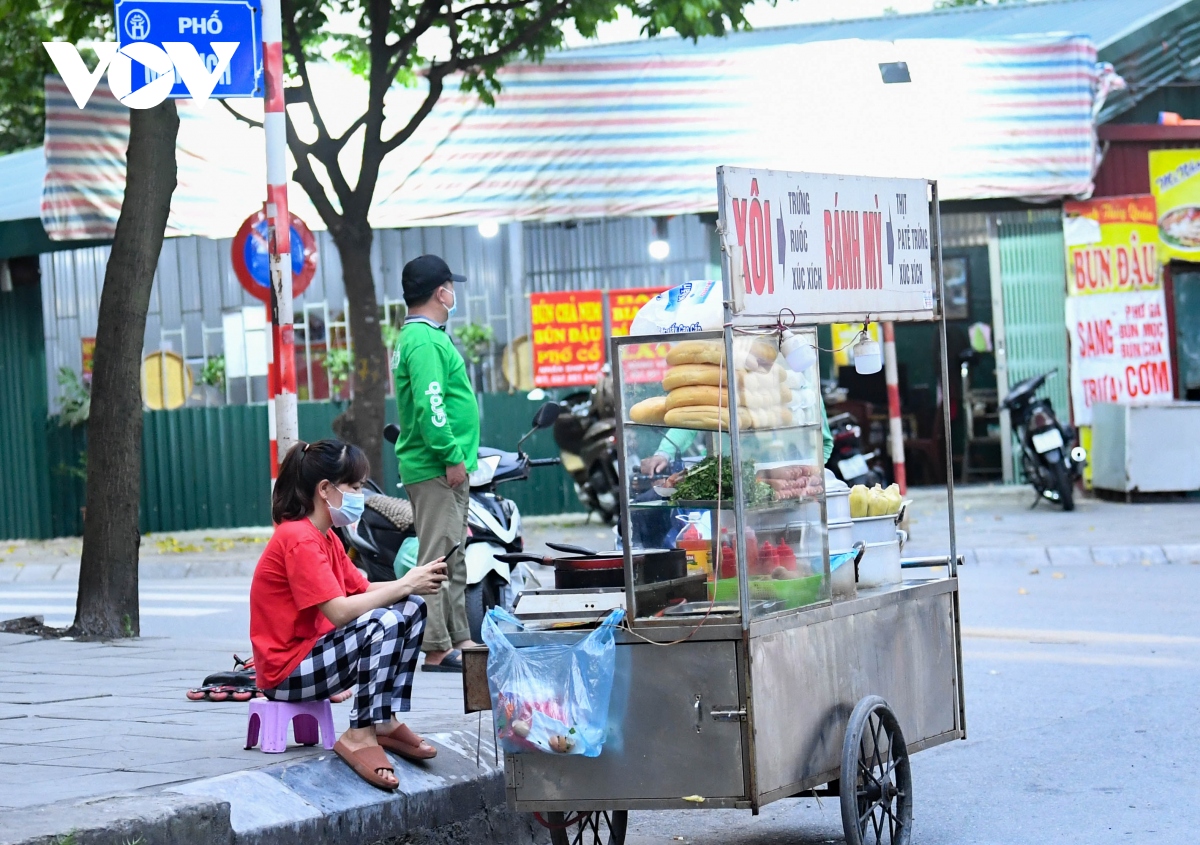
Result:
[
  {"x": 325, "y": 149},
  {"x": 400, "y": 50},
  {"x": 246, "y": 120},
  {"x": 307, "y": 179},
  {"x": 438, "y": 73},
  {"x": 436, "y": 86}
]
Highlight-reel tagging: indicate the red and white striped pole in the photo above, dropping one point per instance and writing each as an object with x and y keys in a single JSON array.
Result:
[
  {"x": 281, "y": 376},
  {"x": 895, "y": 424}
]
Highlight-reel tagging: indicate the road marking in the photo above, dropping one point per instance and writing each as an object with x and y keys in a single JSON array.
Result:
[
  {"x": 1076, "y": 637},
  {"x": 1079, "y": 658},
  {"x": 227, "y": 598},
  {"x": 46, "y": 610}
]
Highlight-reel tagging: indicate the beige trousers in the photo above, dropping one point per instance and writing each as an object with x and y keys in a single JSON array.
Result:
[{"x": 440, "y": 520}]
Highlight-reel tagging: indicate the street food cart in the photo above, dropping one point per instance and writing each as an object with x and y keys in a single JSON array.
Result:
[{"x": 760, "y": 673}]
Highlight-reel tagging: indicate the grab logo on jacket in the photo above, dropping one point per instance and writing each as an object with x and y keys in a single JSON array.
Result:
[{"x": 436, "y": 404}]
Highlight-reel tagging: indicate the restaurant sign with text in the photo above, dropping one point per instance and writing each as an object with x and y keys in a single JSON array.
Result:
[
  {"x": 568, "y": 337},
  {"x": 825, "y": 245},
  {"x": 1112, "y": 245},
  {"x": 641, "y": 363}
]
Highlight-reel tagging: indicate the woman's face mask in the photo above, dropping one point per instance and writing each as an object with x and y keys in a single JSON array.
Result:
[{"x": 349, "y": 511}]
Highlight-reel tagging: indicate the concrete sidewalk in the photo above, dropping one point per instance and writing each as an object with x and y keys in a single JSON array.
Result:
[
  {"x": 992, "y": 521},
  {"x": 82, "y": 722}
]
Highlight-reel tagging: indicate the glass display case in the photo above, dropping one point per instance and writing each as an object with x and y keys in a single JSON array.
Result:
[{"x": 737, "y": 486}]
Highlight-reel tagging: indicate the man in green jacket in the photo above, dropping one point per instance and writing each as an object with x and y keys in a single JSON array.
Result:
[{"x": 437, "y": 448}]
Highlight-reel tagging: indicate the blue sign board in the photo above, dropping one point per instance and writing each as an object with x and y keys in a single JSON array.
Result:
[{"x": 199, "y": 23}]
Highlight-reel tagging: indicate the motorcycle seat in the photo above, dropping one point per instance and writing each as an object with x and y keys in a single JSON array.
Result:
[{"x": 397, "y": 512}]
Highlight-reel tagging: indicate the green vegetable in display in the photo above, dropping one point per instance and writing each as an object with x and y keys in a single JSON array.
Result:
[{"x": 700, "y": 483}]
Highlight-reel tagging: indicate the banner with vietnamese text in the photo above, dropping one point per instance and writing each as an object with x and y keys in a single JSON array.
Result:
[
  {"x": 1119, "y": 350},
  {"x": 1112, "y": 245},
  {"x": 644, "y": 363},
  {"x": 568, "y": 337}
]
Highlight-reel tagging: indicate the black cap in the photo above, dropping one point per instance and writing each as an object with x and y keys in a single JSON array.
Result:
[{"x": 422, "y": 276}]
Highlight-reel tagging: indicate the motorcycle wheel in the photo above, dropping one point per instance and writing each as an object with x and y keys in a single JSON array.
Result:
[
  {"x": 1064, "y": 485},
  {"x": 481, "y": 598}
]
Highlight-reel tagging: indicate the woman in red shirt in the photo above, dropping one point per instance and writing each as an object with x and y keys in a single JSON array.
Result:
[{"x": 319, "y": 628}]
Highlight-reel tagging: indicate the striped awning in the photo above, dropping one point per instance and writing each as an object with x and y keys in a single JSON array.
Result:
[{"x": 639, "y": 132}]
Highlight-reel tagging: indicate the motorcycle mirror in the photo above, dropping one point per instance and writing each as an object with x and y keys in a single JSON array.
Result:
[
  {"x": 391, "y": 432},
  {"x": 546, "y": 415}
]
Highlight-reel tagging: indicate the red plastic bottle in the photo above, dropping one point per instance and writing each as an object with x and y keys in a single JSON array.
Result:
[
  {"x": 785, "y": 557},
  {"x": 728, "y": 556}
]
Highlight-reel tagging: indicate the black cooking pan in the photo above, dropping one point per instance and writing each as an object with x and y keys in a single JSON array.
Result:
[{"x": 588, "y": 569}]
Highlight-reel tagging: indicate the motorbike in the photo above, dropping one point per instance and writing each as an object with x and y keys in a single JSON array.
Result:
[
  {"x": 586, "y": 436},
  {"x": 493, "y": 526},
  {"x": 1049, "y": 465},
  {"x": 847, "y": 460}
]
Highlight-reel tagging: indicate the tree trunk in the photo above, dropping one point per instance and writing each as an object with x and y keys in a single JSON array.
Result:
[
  {"x": 362, "y": 423},
  {"x": 108, "y": 574}
]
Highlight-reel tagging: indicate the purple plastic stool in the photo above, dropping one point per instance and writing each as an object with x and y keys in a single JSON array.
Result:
[{"x": 313, "y": 723}]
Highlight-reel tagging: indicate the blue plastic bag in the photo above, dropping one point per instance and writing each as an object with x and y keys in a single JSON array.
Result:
[{"x": 551, "y": 698}]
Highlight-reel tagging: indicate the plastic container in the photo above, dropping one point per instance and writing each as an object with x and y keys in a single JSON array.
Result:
[
  {"x": 880, "y": 566},
  {"x": 875, "y": 529},
  {"x": 692, "y": 541},
  {"x": 794, "y": 592}
]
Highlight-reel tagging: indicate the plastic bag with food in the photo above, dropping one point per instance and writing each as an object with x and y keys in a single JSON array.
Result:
[{"x": 551, "y": 697}]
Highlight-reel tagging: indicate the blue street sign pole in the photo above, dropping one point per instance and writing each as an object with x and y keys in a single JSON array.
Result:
[{"x": 199, "y": 23}]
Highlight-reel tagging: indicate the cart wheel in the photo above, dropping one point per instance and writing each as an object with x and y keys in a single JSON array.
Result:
[
  {"x": 596, "y": 828},
  {"x": 876, "y": 782}
]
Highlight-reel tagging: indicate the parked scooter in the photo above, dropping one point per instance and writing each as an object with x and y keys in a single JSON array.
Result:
[
  {"x": 493, "y": 526},
  {"x": 1049, "y": 465},
  {"x": 847, "y": 460},
  {"x": 586, "y": 436}
]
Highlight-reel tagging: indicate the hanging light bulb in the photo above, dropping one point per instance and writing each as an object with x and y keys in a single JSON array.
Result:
[
  {"x": 868, "y": 357},
  {"x": 660, "y": 247},
  {"x": 489, "y": 228},
  {"x": 799, "y": 354}
]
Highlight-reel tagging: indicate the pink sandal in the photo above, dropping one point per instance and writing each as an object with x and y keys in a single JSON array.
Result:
[{"x": 406, "y": 743}]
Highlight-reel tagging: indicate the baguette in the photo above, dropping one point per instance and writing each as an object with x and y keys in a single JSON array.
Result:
[
  {"x": 649, "y": 411},
  {"x": 696, "y": 352},
  {"x": 707, "y": 394},
  {"x": 698, "y": 416},
  {"x": 692, "y": 374},
  {"x": 697, "y": 394}
]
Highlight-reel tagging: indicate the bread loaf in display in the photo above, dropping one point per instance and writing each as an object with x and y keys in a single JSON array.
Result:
[{"x": 649, "y": 411}]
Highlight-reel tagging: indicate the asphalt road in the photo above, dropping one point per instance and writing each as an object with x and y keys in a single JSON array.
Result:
[
  {"x": 1081, "y": 684},
  {"x": 1080, "y": 696}
]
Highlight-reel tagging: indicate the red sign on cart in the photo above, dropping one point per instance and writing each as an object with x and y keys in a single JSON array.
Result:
[
  {"x": 568, "y": 337},
  {"x": 646, "y": 362}
]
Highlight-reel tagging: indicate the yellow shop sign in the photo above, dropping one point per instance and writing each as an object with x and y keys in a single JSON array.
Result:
[
  {"x": 1112, "y": 245},
  {"x": 1175, "y": 184}
]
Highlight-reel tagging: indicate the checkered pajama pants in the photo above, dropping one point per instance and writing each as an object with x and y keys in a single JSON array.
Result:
[{"x": 377, "y": 653}]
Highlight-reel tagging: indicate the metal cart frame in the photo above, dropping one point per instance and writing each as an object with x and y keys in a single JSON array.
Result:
[{"x": 738, "y": 713}]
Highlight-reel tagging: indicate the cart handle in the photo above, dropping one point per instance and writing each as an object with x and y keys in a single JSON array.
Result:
[{"x": 927, "y": 562}]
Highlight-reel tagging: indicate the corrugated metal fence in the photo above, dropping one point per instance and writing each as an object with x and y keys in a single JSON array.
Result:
[
  {"x": 1033, "y": 273},
  {"x": 208, "y": 467},
  {"x": 22, "y": 389}
]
